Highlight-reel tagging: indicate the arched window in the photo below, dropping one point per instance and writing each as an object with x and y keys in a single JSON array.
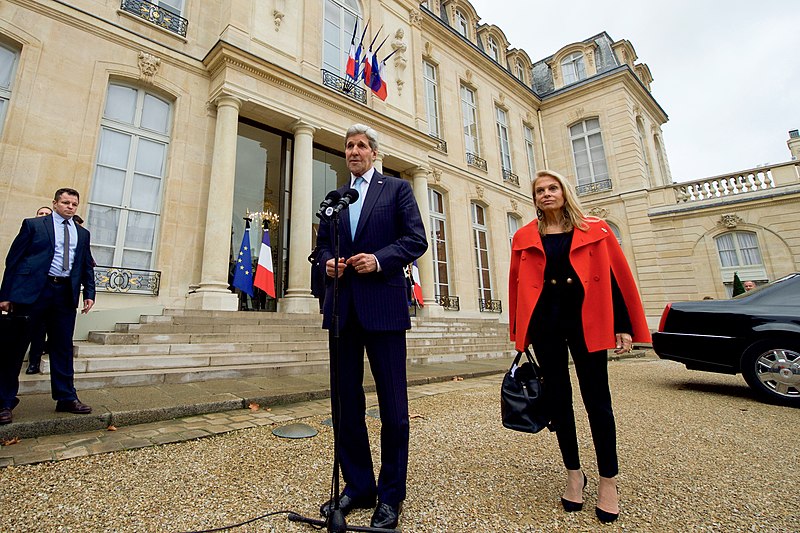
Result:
[
  {"x": 125, "y": 204},
  {"x": 441, "y": 269},
  {"x": 461, "y": 24},
  {"x": 572, "y": 68},
  {"x": 616, "y": 231},
  {"x": 519, "y": 71},
  {"x": 739, "y": 252},
  {"x": 645, "y": 151},
  {"x": 8, "y": 67},
  {"x": 339, "y": 21},
  {"x": 513, "y": 225},
  {"x": 491, "y": 48}
]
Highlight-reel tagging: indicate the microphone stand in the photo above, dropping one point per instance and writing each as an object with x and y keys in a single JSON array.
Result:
[{"x": 335, "y": 522}]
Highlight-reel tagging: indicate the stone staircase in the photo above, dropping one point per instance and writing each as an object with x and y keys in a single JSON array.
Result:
[{"x": 189, "y": 345}]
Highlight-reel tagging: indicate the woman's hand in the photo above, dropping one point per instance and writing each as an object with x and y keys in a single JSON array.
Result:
[{"x": 624, "y": 343}]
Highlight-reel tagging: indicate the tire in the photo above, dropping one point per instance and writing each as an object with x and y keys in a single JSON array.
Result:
[{"x": 772, "y": 369}]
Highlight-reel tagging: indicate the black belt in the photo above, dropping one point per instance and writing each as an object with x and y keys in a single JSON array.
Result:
[{"x": 56, "y": 279}]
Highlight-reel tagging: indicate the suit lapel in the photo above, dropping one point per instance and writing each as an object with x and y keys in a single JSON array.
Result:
[
  {"x": 375, "y": 189},
  {"x": 47, "y": 222}
]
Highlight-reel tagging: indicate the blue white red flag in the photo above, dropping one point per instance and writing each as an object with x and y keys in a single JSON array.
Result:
[
  {"x": 377, "y": 83},
  {"x": 243, "y": 273},
  {"x": 417, "y": 286},
  {"x": 265, "y": 274}
]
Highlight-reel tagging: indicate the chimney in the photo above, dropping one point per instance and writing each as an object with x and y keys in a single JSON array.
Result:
[{"x": 794, "y": 144}]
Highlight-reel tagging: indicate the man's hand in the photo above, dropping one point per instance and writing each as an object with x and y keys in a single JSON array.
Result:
[
  {"x": 6, "y": 306},
  {"x": 329, "y": 268},
  {"x": 363, "y": 263},
  {"x": 87, "y": 304}
]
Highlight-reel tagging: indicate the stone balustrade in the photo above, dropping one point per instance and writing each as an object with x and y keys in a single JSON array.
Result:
[{"x": 743, "y": 182}]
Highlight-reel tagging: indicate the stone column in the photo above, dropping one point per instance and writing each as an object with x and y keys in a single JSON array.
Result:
[
  {"x": 298, "y": 298},
  {"x": 425, "y": 263},
  {"x": 378, "y": 164},
  {"x": 213, "y": 292}
]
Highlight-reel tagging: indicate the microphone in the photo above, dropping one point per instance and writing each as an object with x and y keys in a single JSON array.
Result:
[
  {"x": 326, "y": 204},
  {"x": 348, "y": 198}
]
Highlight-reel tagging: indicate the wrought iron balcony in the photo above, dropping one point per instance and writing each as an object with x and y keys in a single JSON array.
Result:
[
  {"x": 448, "y": 302},
  {"x": 127, "y": 280},
  {"x": 441, "y": 144},
  {"x": 510, "y": 177},
  {"x": 595, "y": 186},
  {"x": 346, "y": 87},
  {"x": 154, "y": 14},
  {"x": 490, "y": 306},
  {"x": 475, "y": 161}
]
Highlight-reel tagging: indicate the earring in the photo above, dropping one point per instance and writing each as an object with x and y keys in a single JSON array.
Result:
[{"x": 539, "y": 214}]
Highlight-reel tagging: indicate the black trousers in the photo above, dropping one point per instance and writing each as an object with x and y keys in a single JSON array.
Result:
[{"x": 556, "y": 332}]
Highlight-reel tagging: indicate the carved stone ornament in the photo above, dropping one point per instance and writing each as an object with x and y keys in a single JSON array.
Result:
[
  {"x": 598, "y": 212},
  {"x": 437, "y": 175},
  {"x": 148, "y": 66},
  {"x": 579, "y": 112},
  {"x": 468, "y": 76},
  {"x": 514, "y": 204},
  {"x": 590, "y": 57},
  {"x": 399, "y": 46},
  {"x": 415, "y": 17},
  {"x": 428, "y": 49},
  {"x": 729, "y": 220},
  {"x": 278, "y": 18},
  {"x": 479, "y": 189},
  {"x": 501, "y": 99}
]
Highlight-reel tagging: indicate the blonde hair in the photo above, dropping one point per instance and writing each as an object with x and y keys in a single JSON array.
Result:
[{"x": 574, "y": 216}]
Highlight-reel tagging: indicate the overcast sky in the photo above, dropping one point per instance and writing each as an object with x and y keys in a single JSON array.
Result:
[{"x": 726, "y": 73}]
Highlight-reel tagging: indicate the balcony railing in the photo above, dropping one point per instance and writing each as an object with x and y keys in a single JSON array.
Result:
[
  {"x": 747, "y": 181},
  {"x": 510, "y": 177},
  {"x": 490, "y": 306},
  {"x": 127, "y": 280},
  {"x": 475, "y": 161},
  {"x": 448, "y": 302},
  {"x": 346, "y": 87},
  {"x": 441, "y": 144},
  {"x": 154, "y": 14},
  {"x": 595, "y": 186}
]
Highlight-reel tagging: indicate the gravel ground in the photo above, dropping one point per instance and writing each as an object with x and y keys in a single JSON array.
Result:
[{"x": 697, "y": 453}]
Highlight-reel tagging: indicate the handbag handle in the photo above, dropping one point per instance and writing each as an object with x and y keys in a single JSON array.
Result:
[{"x": 537, "y": 369}]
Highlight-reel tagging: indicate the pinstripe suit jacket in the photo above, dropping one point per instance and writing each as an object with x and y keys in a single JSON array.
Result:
[{"x": 390, "y": 227}]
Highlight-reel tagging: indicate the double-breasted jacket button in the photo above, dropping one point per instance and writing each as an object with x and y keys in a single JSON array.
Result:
[{"x": 569, "y": 281}]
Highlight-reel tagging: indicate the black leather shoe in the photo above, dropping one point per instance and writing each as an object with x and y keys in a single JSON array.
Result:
[
  {"x": 5, "y": 416},
  {"x": 73, "y": 406},
  {"x": 574, "y": 507},
  {"x": 32, "y": 369},
  {"x": 347, "y": 504},
  {"x": 386, "y": 516}
]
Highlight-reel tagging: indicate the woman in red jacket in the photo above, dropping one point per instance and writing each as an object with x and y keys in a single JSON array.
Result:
[{"x": 571, "y": 291}]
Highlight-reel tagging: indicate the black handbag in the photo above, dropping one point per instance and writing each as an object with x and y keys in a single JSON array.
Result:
[{"x": 523, "y": 405}]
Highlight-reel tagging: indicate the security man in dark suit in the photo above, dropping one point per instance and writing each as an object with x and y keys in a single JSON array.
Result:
[
  {"x": 380, "y": 234},
  {"x": 46, "y": 266}
]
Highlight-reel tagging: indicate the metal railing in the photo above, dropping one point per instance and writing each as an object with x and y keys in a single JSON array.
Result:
[
  {"x": 127, "y": 280},
  {"x": 163, "y": 18},
  {"x": 490, "y": 306},
  {"x": 595, "y": 186},
  {"x": 346, "y": 87},
  {"x": 448, "y": 302},
  {"x": 475, "y": 161},
  {"x": 510, "y": 177},
  {"x": 441, "y": 144}
]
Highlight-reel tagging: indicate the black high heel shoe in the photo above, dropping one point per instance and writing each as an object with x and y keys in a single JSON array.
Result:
[
  {"x": 604, "y": 516},
  {"x": 574, "y": 507}
]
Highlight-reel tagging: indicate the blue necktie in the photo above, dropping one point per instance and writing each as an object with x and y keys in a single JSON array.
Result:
[{"x": 355, "y": 209}]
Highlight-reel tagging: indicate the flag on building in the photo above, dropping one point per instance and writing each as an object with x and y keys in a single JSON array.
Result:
[
  {"x": 366, "y": 72},
  {"x": 377, "y": 83},
  {"x": 417, "y": 286},
  {"x": 265, "y": 274},
  {"x": 243, "y": 269}
]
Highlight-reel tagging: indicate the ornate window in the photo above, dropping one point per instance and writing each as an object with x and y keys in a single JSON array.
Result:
[
  {"x": 430, "y": 76},
  {"x": 337, "y": 31},
  {"x": 8, "y": 67},
  {"x": 125, "y": 204},
  {"x": 588, "y": 152},
  {"x": 572, "y": 68},
  {"x": 461, "y": 24},
  {"x": 519, "y": 71},
  {"x": 480, "y": 234},
  {"x": 491, "y": 48},
  {"x": 469, "y": 112},
  {"x": 528, "y": 131},
  {"x": 441, "y": 269},
  {"x": 503, "y": 138},
  {"x": 739, "y": 252}
]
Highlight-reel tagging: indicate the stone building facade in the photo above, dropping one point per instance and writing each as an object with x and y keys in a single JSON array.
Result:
[{"x": 176, "y": 119}]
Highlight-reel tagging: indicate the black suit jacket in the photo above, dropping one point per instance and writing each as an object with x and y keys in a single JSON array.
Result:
[{"x": 29, "y": 258}]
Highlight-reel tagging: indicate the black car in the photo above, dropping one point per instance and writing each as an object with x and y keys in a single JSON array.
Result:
[{"x": 756, "y": 333}]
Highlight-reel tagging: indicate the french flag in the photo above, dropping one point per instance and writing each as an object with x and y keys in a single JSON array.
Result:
[
  {"x": 366, "y": 73},
  {"x": 351, "y": 61},
  {"x": 417, "y": 286},
  {"x": 265, "y": 275}
]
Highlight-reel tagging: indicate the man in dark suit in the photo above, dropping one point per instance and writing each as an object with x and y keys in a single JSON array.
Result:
[
  {"x": 380, "y": 234},
  {"x": 46, "y": 266}
]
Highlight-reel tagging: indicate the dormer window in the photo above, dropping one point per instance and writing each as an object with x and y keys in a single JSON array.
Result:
[
  {"x": 572, "y": 68},
  {"x": 461, "y": 23},
  {"x": 519, "y": 72},
  {"x": 491, "y": 49}
]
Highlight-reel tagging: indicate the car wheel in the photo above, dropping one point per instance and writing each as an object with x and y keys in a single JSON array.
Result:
[{"x": 772, "y": 369}]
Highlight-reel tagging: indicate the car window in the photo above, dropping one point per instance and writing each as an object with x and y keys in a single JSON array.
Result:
[{"x": 784, "y": 291}]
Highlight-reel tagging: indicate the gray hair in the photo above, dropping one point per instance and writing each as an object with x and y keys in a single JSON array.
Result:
[{"x": 357, "y": 129}]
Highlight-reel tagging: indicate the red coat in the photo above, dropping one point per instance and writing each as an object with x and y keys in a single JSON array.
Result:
[{"x": 594, "y": 254}]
